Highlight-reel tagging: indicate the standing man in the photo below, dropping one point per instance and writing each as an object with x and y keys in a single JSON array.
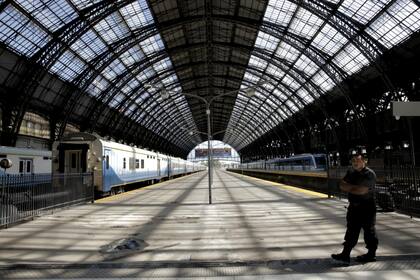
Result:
[{"x": 359, "y": 183}]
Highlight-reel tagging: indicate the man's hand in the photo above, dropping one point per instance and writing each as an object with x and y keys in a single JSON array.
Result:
[{"x": 353, "y": 189}]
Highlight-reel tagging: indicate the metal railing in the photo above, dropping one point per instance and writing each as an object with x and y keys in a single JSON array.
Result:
[
  {"x": 397, "y": 188},
  {"x": 27, "y": 196}
]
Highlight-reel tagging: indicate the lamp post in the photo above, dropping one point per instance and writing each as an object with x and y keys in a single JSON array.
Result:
[{"x": 250, "y": 91}]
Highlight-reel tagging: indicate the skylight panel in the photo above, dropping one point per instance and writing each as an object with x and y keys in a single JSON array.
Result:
[
  {"x": 304, "y": 94},
  {"x": 291, "y": 106},
  {"x": 51, "y": 14},
  {"x": 137, "y": 14},
  {"x": 274, "y": 71},
  {"x": 250, "y": 78},
  {"x": 351, "y": 59},
  {"x": 387, "y": 30},
  {"x": 362, "y": 10},
  {"x": 17, "y": 32},
  {"x": 162, "y": 65},
  {"x": 170, "y": 80},
  {"x": 391, "y": 27},
  {"x": 323, "y": 81},
  {"x": 283, "y": 113},
  {"x": 306, "y": 65},
  {"x": 89, "y": 46},
  {"x": 290, "y": 82},
  {"x": 266, "y": 42},
  {"x": 98, "y": 85},
  {"x": 279, "y": 12},
  {"x": 287, "y": 52},
  {"x": 112, "y": 28},
  {"x": 114, "y": 69},
  {"x": 257, "y": 62},
  {"x": 130, "y": 86},
  {"x": 152, "y": 45},
  {"x": 407, "y": 13},
  {"x": 81, "y": 4},
  {"x": 305, "y": 23},
  {"x": 329, "y": 40},
  {"x": 280, "y": 93},
  {"x": 68, "y": 66},
  {"x": 131, "y": 56},
  {"x": 148, "y": 73},
  {"x": 300, "y": 103}
]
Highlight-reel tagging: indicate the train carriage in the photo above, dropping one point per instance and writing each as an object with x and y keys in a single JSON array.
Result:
[
  {"x": 113, "y": 165},
  {"x": 26, "y": 161}
]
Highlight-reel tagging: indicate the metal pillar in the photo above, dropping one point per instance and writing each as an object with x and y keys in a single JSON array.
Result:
[{"x": 209, "y": 150}]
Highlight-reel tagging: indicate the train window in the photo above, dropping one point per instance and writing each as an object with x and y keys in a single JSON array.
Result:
[
  {"x": 21, "y": 164},
  {"x": 142, "y": 163},
  {"x": 28, "y": 167},
  {"x": 73, "y": 160},
  {"x": 107, "y": 162},
  {"x": 25, "y": 166},
  {"x": 137, "y": 163},
  {"x": 124, "y": 163}
]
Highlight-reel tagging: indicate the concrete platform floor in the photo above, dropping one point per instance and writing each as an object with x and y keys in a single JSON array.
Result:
[{"x": 254, "y": 229}]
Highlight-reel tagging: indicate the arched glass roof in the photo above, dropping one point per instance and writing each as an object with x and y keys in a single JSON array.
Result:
[{"x": 110, "y": 50}]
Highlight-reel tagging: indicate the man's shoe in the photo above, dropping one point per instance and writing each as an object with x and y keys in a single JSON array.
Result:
[
  {"x": 366, "y": 258},
  {"x": 341, "y": 258}
]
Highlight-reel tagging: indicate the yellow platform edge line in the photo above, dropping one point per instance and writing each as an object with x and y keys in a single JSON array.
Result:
[
  {"x": 296, "y": 189},
  {"x": 132, "y": 192}
]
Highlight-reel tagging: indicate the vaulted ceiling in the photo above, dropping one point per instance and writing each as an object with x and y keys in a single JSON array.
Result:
[{"x": 119, "y": 56}]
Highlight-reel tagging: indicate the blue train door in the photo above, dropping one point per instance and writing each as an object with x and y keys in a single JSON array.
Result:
[
  {"x": 107, "y": 170},
  {"x": 158, "y": 167}
]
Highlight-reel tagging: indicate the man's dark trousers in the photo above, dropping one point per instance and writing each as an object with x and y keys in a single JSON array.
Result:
[{"x": 361, "y": 216}]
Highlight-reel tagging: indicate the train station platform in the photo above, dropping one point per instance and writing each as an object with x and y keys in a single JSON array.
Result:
[{"x": 254, "y": 229}]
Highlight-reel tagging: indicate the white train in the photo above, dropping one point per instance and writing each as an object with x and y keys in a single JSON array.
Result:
[
  {"x": 114, "y": 165},
  {"x": 26, "y": 161}
]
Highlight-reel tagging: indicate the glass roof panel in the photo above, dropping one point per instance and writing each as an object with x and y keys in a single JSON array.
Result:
[
  {"x": 51, "y": 14},
  {"x": 130, "y": 86},
  {"x": 89, "y": 46},
  {"x": 112, "y": 28},
  {"x": 291, "y": 106},
  {"x": 137, "y": 14},
  {"x": 329, "y": 40},
  {"x": 290, "y": 82},
  {"x": 279, "y": 12},
  {"x": 305, "y": 23},
  {"x": 98, "y": 85},
  {"x": 350, "y": 59},
  {"x": 18, "y": 33},
  {"x": 81, "y": 4},
  {"x": 304, "y": 94},
  {"x": 390, "y": 28},
  {"x": 257, "y": 62},
  {"x": 162, "y": 65},
  {"x": 323, "y": 80},
  {"x": 286, "y": 51},
  {"x": 68, "y": 66},
  {"x": 266, "y": 42},
  {"x": 362, "y": 10},
  {"x": 275, "y": 71},
  {"x": 306, "y": 65},
  {"x": 132, "y": 56},
  {"x": 114, "y": 69},
  {"x": 280, "y": 93},
  {"x": 152, "y": 45}
]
